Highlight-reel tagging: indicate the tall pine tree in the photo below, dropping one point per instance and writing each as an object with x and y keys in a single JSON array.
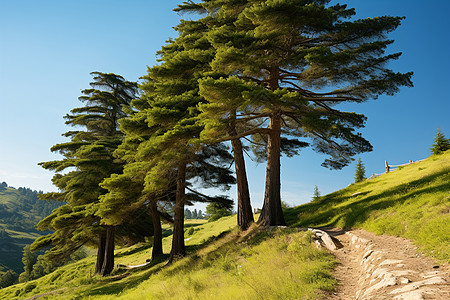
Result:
[
  {"x": 88, "y": 160},
  {"x": 162, "y": 135},
  {"x": 292, "y": 62},
  {"x": 197, "y": 32}
]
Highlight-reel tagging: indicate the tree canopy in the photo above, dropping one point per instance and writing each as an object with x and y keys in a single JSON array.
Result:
[{"x": 290, "y": 64}]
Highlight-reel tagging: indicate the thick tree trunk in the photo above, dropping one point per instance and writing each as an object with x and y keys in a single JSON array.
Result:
[
  {"x": 178, "y": 248},
  {"x": 100, "y": 253},
  {"x": 244, "y": 209},
  {"x": 108, "y": 261},
  {"x": 272, "y": 213},
  {"x": 157, "y": 231}
]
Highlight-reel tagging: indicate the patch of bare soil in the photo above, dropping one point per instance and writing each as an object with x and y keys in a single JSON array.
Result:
[{"x": 385, "y": 267}]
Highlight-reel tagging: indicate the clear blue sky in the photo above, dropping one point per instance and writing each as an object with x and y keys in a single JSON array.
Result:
[{"x": 49, "y": 47}]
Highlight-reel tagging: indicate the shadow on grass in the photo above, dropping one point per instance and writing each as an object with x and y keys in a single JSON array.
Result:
[
  {"x": 135, "y": 250},
  {"x": 128, "y": 279},
  {"x": 324, "y": 213}
]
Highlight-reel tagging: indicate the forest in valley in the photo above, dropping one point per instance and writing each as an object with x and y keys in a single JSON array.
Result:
[
  {"x": 20, "y": 211},
  {"x": 241, "y": 78}
]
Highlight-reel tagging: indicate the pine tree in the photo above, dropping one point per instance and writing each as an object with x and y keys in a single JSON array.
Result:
[
  {"x": 162, "y": 139},
  {"x": 292, "y": 61},
  {"x": 316, "y": 194},
  {"x": 216, "y": 211},
  {"x": 187, "y": 214},
  {"x": 197, "y": 31},
  {"x": 441, "y": 144},
  {"x": 88, "y": 157},
  {"x": 29, "y": 259},
  {"x": 360, "y": 172}
]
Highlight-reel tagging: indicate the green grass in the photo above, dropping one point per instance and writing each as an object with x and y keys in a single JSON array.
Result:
[
  {"x": 413, "y": 202},
  {"x": 222, "y": 263}
]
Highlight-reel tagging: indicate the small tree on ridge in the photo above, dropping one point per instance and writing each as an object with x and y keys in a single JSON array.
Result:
[
  {"x": 441, "y": 144},
  {"x": 360, "y": 173}
]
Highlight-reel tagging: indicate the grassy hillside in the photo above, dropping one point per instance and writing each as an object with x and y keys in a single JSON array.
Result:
[
  {"x": 222, "y": 263},
  {"x": 20, "y": 211},
  {"x": 412, "y": 202}
]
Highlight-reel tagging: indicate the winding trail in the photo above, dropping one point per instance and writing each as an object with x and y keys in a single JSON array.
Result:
[{"x": 385, "y": 267}]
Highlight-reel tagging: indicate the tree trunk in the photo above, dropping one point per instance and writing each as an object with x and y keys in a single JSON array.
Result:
[
  {"x": 108, "y": 261},
  {"x": 100, "y": 253},
  {"x": 157, "y": 231},
  {"x": 272, "y": 213},
  {"x": 244, "y": 209},
  {"x": 178, "y": 248}
]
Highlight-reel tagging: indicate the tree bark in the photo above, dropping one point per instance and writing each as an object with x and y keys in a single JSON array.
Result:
[
  {"x": 244, "y": 209},
  {"x": 100, "y": 253},
  {"x": 157, "y": 231},
  {"x": 272, "y": 213},
  {"x": 178, "y": 248},
  {"x": 108, "y": 261}
]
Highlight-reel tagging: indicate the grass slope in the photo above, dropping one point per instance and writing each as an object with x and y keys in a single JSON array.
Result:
[
  {"x": 412, "y": 202},
  {"x": 222, "y": 263}
]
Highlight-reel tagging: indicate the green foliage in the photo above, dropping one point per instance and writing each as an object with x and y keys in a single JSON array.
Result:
[
  {"x": 188, "y": 214},
  {"x": 412, "y": 202},
  {"x": 87, "y": 160},
  {"x": 282, "y": 70},
  {"x": 316, "y": 193},
  {"x": 279, "y": 68},
  {"x": 216, "y": 211},
  {"x": 360, "y": 172},
  {"x": 8, "y": 278},
  {"x": 285, "y": 205},
  {"x": 20, "y": 210},
  {"x": 441, "y": 144},
  {"x": 29, "y": 259}
]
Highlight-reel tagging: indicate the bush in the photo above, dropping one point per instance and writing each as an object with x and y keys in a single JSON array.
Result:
[{"x": 215, "y": 211}]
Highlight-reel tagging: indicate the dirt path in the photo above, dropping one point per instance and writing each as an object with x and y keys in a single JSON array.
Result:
[{"x": 385, "y": 267}]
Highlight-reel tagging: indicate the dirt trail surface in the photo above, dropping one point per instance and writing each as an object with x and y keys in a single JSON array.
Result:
[{"x": 385, "y": 267}]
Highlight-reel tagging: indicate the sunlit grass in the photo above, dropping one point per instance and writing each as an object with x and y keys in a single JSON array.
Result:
[
  {"x": 276, "y": 265},
  {"x": 222, "y": 263}
]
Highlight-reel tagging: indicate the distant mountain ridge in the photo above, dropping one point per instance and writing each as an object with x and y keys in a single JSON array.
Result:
[{"x": 20, "y": 211}]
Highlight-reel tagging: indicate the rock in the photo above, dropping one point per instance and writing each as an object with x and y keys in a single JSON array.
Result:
[
  {"x": 387, "y": 281},
  {"x": 418, "y": 284},
  {"x": 367, "y": 254},
  {"x": 391, "y": 262},
  {"x": 404, "y": 280},
  {"x": 434, "y": 280},
  {"x": 414, "y": 295},
  {"x": 403, "y": 272},
  {"x": 326, "y": 240}
]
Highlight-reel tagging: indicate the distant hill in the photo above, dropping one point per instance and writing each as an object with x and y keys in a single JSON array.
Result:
[{"x": 20, "y": 211}]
